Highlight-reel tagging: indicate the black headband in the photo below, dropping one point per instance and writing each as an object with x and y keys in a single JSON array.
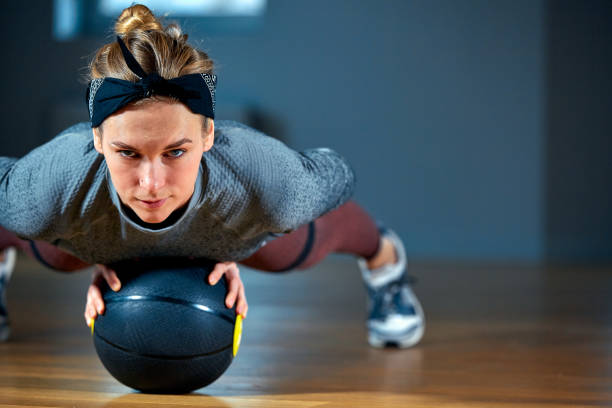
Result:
[{"x": 107, "y": 95}]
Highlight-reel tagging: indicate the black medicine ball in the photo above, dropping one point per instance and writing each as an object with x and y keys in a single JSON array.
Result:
[{"x": 167, "y": 330}]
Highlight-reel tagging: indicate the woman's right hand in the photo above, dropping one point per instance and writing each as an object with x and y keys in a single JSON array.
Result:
[{"x": 95, "y": 303}]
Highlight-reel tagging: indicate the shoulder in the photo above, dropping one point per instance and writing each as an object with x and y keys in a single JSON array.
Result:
[
  {"x": 68, "y": 156},
  {"x": 78, "y": 128},
  {"x": 231, "y": 128},
  {"x": 240, "y": 146},
  {"x": 79, "y": 134},
  {"x": 227, "y": 131},
  {"x": 50, "y": 186},
  {"x": 74, "y": 142},
  {"x": 223, "y": 124},
  {"x": 64, "y": 162}
]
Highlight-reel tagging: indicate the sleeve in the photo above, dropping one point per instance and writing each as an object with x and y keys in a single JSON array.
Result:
[
  {"x": 320, "y": 180},
  {"x": 298, "y": 187},
  {"x": 37, "y": 190}
]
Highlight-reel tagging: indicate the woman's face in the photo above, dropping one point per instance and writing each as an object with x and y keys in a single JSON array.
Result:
[{"x": 153, "y": 152}]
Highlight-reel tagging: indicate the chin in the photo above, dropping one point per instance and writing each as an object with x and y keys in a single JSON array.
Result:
[{"x": 152, "y": 218}]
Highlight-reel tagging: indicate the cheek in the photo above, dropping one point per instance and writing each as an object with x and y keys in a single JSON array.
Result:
[
  {"x": 184, "y": 174},
  {"x": 123, "y": 177}
]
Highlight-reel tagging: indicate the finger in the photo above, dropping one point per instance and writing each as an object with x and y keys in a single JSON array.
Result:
[
  {"x": 86, "y": 314},
  {"x": 90, "y": 310},
  {"x": 99, "y": 304},
  {"x": 96, "y": 299},
  {"x": 217, "y": 272},
  {"x": 231, "y": 273},
  {"x": 232, "y": 270},
  {"x": 111, "y": 278},
  {"x": 244, "y": 299},
  {"x": 213, "y": 276},
  {"x": 90, "y": 314},
  {"x": 234, "y": 286},
  {"x": 242, "y": 307}
]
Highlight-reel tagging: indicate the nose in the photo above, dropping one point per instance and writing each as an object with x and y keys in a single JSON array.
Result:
[{"x": 151, "y": 177}]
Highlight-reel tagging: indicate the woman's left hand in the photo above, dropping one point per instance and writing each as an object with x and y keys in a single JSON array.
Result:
[{"x": 235, "y": 293}]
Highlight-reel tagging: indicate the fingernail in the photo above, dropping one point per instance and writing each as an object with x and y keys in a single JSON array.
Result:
[
  {"x": 89, "y": 321},
  {"x": 116, "y": 286}
]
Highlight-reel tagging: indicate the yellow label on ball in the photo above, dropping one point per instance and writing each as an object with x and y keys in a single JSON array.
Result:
[{"x": 237, "y": 334}]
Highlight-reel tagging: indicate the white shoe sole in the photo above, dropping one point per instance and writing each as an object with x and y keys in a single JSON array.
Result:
[
  {"x": 408, "y": 339},
  {"x": 7, "y": 266}
]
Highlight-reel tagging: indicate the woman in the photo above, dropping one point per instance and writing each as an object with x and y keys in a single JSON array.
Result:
[{"x": 152, "y": 174}]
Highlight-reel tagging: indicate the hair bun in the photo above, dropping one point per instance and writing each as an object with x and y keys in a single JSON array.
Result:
[{"x": 136, "y": 17}]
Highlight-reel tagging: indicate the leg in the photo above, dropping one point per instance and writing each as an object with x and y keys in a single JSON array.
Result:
[
  {"x": 49, "y": 255},
  {"x": 44, "y": 252},
  {"x": 347, "y": 229},
  {"x": 395, "y": 315}
]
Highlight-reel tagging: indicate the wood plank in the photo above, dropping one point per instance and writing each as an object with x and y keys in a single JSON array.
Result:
[{"x": 497, "y": 335}]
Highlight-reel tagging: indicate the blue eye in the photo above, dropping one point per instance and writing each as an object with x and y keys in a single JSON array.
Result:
[
  {"x": 127, "y": 153},
  {"x": 176, "y": 153}
]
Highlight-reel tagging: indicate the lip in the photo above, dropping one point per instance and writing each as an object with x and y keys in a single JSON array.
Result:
[{"x": 153, "y": 204}]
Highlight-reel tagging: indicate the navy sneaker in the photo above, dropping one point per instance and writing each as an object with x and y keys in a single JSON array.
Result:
[
  {"x": 6, "y": 270},
  {"x": 395, "y": 316}
]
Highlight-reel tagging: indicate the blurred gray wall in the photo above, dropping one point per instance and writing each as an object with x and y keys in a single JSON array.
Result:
[
  {"x": 579, "y": 131},
  {"x": 448, "y": 110}
]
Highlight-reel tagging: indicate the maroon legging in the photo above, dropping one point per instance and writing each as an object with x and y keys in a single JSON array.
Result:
[
  {"x": 347, "y": 229},
  {"x": 51, "y": 255}
]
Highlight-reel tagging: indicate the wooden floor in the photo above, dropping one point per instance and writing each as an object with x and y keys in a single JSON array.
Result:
[{"x": 496, "y": 336}]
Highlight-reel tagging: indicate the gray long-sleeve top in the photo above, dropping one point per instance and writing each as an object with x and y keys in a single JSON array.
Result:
[{"x": 250, "y": 187}]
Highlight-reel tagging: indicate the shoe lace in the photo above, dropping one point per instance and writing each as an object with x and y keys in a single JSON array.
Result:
[{"x": 388, "y": 298}]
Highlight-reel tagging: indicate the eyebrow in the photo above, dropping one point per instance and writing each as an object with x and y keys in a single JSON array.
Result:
[{"x": 122, "y": 145}]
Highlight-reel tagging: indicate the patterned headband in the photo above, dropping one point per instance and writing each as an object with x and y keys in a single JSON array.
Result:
[{"x": 107, "y": 95}]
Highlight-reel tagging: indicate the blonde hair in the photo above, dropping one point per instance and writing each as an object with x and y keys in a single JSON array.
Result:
[{"x": 156, "y": 48}]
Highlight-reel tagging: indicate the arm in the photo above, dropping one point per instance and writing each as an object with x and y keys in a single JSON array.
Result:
[
  {"x": 41, "y": 193},
  {"x": 23, "y": 209},
  {"x": 306, "y": 185},
  {"x": 258, "y": 184}
]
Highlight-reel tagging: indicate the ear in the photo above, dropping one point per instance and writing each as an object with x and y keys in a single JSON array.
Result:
[
  {"x": 209, "y": 139},
  {"x": 97, "y": 140}
]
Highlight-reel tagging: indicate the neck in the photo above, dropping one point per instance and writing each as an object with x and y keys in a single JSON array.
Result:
[{"x": 172, "y": 218}]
